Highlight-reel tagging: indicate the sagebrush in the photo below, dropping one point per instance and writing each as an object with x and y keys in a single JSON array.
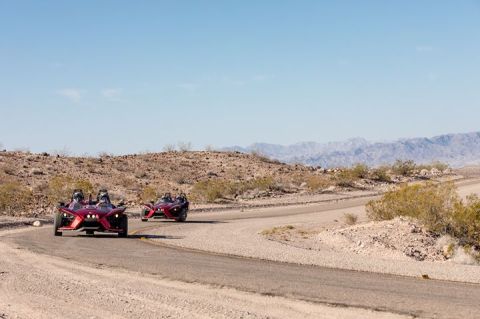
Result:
[{"x": 437, "y": 206}]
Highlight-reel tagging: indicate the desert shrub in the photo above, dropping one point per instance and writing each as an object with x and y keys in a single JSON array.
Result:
[
  {"x": 104, "y": 154},
  {"x": 465, "y": 223},
  {"x": 432, "y": 204},
  {"x": 380, "y": 174},
  {"x": 127, "y": 182},
  {"x": 169, "y": 148},
  {"x": 437, "y": 206},
  {"x": 9, "y": 169},
  {"x": 141, "y": 174},
  {"x": 14, "y": 198},
  {"x": 262, "y": 183},
  {"x": 359, "y": 171},
  {"x": 121, "y": 166},
  {"x": 350, "y": 219},
  {"x": 263, "y": 158},
  {"x": 181, "y": 179},
  {"x": 184, "y": 146},
  {"x": 345, "y": 178},
  {"x": 404, "y": 168},
  {"x": 148, "y": 194},
  {"x": 64, "y": 152},
  {"x": 316, "y": 183},
  {"x": 440, "y": 166},
  {"x": 60, "y": 187},
  {"x": 208, "y": 148},
  {"x": 211, "y": 190}
]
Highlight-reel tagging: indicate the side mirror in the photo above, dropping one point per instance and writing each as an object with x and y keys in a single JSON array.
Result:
[
  {"x": 121, "y": 204},
  {"x": 61, "y": 204},
  {"x": 152, "y": 202}
]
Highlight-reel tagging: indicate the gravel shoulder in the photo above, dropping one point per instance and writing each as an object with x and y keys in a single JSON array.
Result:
[
  {"x": 39, "y": 286},
  {"x": 246, "y": 238}
]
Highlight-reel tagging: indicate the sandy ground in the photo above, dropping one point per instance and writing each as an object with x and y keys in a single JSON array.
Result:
[
  {"x": 37, "y": 286},
  {"x": 244, "y": 237}
]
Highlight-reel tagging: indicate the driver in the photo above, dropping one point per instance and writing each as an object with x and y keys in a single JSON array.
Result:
[
  {"x": 77, "y": 200},
  {"x": 103, "y": 199},
  {"x": 181, "y": 198},
  {"x": 166, "y": 198}
]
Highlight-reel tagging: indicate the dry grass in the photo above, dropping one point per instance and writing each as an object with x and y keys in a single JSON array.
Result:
[
  {"x": 279, "y": 230},
  {"x": 60, "y": 187},
  {"x": 350, "y": 219},
  {"x": 212, "y": 190},
  {"x": 14, "y": 198}
]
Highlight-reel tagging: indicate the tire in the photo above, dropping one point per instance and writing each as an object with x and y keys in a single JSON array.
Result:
[
  {"x": 90, "y": 232},
  {"x": 57, "y": 220},
  {"x": 182, "y": 217},
  {"x": 142, "y": 216},
  {"x": 124, "y": 226}
]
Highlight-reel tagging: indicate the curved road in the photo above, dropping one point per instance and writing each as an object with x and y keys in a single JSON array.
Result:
[{"x": 404, "y": 295}]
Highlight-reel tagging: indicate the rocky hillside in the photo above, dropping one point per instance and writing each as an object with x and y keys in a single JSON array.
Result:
[
  {"x": 454, "y": 149},
  {"x": 44, "y": 179},
  {"x": 38, "y": 181}
]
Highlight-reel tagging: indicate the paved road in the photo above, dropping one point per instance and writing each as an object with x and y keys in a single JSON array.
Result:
[{"x": 415, "y": 296}]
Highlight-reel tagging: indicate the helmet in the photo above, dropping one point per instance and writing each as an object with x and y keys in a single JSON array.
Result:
[
  {"x": 77, "y": 195},
  {"x": 166, "y": 198},
  {"x": 103, "y": 197}
]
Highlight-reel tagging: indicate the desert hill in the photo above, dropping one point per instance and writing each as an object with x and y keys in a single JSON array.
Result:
[{"x": 36, "y": 182}]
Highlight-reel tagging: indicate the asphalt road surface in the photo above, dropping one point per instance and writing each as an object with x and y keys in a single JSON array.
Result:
[{"x": 403, "y": 295}]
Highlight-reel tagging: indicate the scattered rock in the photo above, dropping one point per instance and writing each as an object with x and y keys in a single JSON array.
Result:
[
  {"x": 37, "y": 223},
  {"x": 424, "y": 173},
  {"x": 36, "y": 171},
  {"x": 399, "y": 239}
]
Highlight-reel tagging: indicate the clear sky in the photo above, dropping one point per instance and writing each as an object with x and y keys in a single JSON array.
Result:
[{"x": 127, "y": 76}]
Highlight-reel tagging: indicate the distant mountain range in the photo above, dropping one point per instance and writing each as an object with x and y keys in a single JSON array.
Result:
[{"x": 454, "y": 149}]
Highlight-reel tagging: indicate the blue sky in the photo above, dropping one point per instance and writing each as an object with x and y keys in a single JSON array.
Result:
[{"x": 127, "y": 76}]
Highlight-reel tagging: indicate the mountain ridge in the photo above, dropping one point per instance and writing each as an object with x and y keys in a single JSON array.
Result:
[{"x": 457, "y": 150}]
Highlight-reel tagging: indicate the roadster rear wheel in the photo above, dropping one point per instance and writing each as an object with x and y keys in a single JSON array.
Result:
[{"x": 182, "y": 217}]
